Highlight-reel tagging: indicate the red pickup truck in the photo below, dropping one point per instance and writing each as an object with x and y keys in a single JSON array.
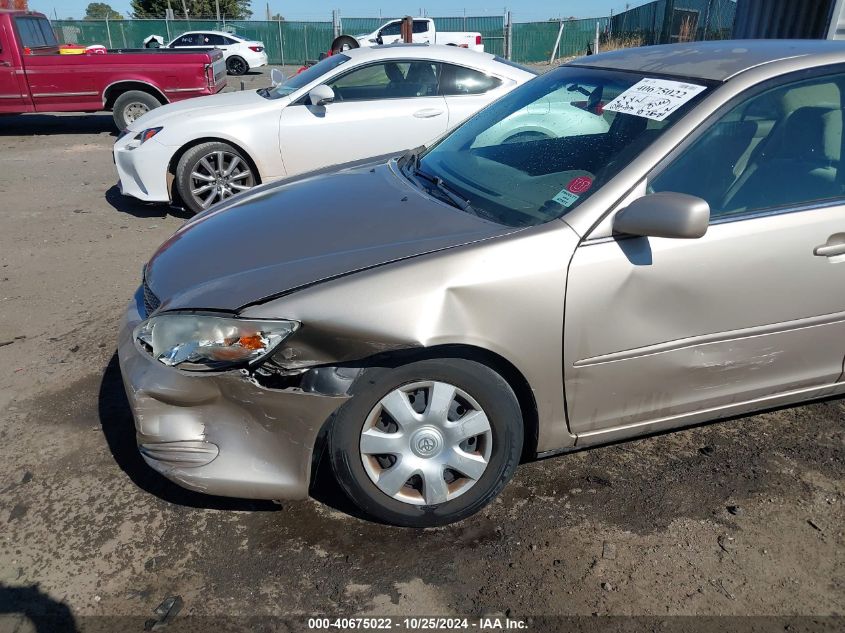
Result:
[{"x": 34, "y": 77}]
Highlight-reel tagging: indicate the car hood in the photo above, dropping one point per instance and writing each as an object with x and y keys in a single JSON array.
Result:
[
  {"x": 190, "y": 109},
  {"x": 281, "y": 237}
]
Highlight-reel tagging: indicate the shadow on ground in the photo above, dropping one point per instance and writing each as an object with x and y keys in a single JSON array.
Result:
[
  {"x": 19, "y": 605},
  {"x": 39, "y": 124},
  {"x": 139, "y": 209}
]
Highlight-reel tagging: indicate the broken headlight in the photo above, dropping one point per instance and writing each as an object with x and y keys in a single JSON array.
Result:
[{"x": 202, "y": 342}]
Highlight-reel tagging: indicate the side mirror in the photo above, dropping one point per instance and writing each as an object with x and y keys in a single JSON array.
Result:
[
  {"x": 664, "y": 214},
  {"x": 379, "y": 40},
  {"x": 321, "y": 95},
  {"x": 277, "y": 77}
]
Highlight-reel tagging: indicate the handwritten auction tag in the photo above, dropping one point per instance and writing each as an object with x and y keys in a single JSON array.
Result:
[{"x": 654, "y": 98}]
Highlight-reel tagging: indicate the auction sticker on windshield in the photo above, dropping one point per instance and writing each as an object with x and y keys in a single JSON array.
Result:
[{"x": 654, "y": 98}]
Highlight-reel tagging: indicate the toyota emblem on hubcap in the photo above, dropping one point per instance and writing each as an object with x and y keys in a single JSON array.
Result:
[{"x": 426, "y": 444}]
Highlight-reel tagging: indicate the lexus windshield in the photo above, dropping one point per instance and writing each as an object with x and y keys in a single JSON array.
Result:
[
  {"x": 304, "y": 78},
  {"x": 540, "y": 151}
]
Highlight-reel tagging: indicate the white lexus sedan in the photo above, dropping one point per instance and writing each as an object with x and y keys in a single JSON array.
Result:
[{"x": 353, "y": 105}]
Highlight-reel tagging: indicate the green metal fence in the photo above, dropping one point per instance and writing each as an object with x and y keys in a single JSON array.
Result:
[
  {"x": 535, "y": 41},
  {"x": 292, "y": 42}
]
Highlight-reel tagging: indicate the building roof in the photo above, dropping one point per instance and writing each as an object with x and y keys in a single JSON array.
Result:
[{"x": 717, "y": 60}]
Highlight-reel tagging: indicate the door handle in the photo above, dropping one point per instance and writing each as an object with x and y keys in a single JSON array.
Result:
[
  {"x": 427, "y": 113},
  {"x": 5, "y": 63},
  {"x": 834, "y": 246}
]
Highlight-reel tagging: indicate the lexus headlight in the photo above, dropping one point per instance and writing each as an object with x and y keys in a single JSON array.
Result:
[
  {"x": 201, "y": 342},
  {"x": 145, "y": 135}
]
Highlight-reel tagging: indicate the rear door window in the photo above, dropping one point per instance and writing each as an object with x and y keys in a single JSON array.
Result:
[
  {"x": 212, "y": 39},
  {"x": 458, "y": 80}
]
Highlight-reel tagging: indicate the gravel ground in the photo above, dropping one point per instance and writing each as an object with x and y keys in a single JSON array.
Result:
[{"x": 743, "y": 517}]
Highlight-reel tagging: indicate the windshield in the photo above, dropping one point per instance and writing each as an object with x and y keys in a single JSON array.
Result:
[
  {"x": 542, "y": 150},
  {"x": 304, "y": 78}
]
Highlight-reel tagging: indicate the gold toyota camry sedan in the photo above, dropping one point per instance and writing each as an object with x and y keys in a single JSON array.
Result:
[{"x": 634, "y": 242}]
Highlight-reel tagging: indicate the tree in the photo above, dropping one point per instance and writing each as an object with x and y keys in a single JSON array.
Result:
[
  {"x": 278, "y": 17},
  {"x": 101, "y": 11},
  {"x": 231, "y": 9}
]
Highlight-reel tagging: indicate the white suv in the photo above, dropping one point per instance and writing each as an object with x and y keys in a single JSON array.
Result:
[{"x": 241, "y": 55}]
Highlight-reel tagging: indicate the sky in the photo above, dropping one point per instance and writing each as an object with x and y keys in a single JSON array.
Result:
[{"x": 522, "y": 11}]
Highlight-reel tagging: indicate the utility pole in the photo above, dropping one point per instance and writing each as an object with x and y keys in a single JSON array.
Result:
[
  {"x": 217, "y": 8},
  {"x": 268, "y": 11}
]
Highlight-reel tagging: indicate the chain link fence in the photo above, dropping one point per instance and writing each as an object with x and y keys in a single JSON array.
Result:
[
  {"x": 670, "y": 21},
  {"x": 298, "y": 42}
]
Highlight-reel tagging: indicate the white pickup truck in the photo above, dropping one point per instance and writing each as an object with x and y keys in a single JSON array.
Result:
[{"x": 424, "y": 33}]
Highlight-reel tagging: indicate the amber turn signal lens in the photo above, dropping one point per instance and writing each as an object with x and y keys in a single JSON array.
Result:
[{"x": 252, "y": 342}]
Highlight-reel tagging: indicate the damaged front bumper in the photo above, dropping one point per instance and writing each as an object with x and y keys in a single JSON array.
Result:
[{"x": 221, "y": 433}]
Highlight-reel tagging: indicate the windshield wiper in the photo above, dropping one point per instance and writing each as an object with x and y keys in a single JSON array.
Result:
[{"x": 442, "y": 187}]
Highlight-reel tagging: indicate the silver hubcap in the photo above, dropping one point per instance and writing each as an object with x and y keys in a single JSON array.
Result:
[
  {"x": 426, "y": 443},
  {"x": 134, "y": 111},
  {"x": 218, "y": 176}
]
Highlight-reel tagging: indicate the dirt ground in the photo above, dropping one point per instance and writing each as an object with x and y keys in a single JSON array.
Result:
[{"x": 741, "y": 517}]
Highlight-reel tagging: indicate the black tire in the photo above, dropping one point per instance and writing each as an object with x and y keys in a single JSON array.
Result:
[
  {"x": 485, "y": 386},
  {"x": 236, "y": 65},
  {"x": 344, "y": 43},
  {"x": 184, "y": 182},
  {"x": 130, "y": 105}
]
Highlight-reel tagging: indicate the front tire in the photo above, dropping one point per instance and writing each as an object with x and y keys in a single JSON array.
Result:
[
  {"x": 211, "y": 172},
  {"x": 428, "y": 443},
  {"x": 236, "y": 65},
  {"x": 130, "y": 106}
]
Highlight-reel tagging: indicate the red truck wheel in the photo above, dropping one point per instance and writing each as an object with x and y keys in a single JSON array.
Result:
[{"x": 131, "y": 105}]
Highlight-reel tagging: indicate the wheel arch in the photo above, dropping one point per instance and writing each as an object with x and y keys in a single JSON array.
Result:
[
  {"x": 507, "y": 370},
  {"x": 114, "y": 90}
]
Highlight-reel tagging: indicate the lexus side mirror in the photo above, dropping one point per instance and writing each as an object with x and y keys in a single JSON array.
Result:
[
  {"x": 277, "y": 77},
  {"x": 664, "y": 214},
  {"x": 321, "y": 95},
  {"x": 379, "y": 40}
]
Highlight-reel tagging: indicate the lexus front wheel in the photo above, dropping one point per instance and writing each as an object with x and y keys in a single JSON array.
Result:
[
  {"x": 212, "y": 172},
  {"x": 428, "y": 443}
]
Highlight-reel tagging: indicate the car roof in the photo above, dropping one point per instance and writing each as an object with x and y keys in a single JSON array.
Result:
[
  {"x": 717, "y": 60},
  {"x": 227, "y": 34},
  {"x": 437, "y": 52}
]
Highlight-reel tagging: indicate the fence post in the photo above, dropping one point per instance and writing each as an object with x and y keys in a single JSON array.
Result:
[
  {"x": 108, "y": 32},
  {"x": 335, "y": 23},
  {"x": 596, "y": 46},
  {"x": 167, "y": 27},
  {"x": 668, "y": 18},
  {"x": 557, "y": 43},
  {"x": 706, "y": 20},
  {"x": 305, "y": 40},
  {"x": 281, "y": 43},
  {"x": 508, "y": 36}
]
